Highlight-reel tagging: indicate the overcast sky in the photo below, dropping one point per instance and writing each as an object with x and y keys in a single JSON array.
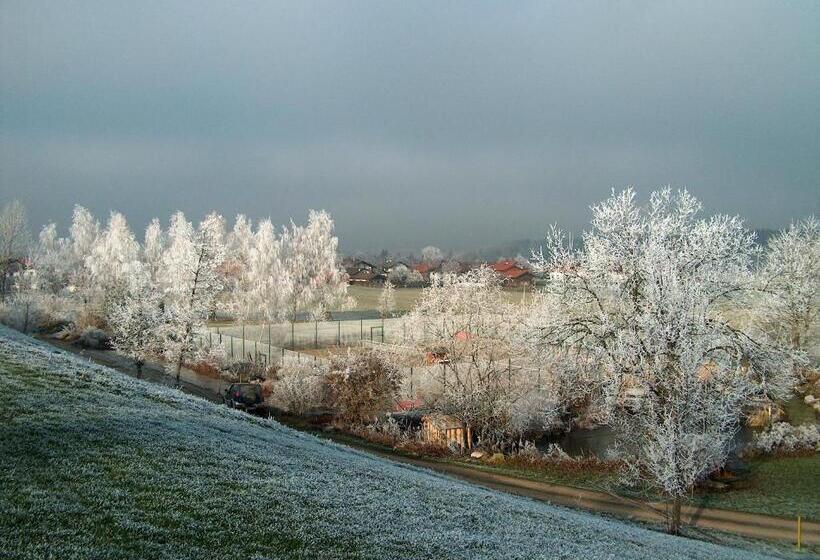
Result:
[{"x": 457, "y": 124}]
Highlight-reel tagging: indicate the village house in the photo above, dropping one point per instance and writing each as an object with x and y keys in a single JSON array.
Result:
[
  {"x": 513, "y": 275},
  {"x": 364, "y": 273}
]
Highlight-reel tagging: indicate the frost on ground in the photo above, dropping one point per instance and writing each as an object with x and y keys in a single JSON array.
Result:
[{"x": 94, "y": 464}]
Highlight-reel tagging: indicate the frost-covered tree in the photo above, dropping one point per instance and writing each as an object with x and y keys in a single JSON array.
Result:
[
  {"x": 315, "y": 281},
  {"x": 113, "y": 260},
  {"x": 83, "y": 234},
  {"x": 387, "y": 300},
  {"x": 268, "y": 275},
  {"x": 239, "y": 284},
  {"x": 414, "y": 279},
  {"x": 398, "y": 275},
  {"x": 51, "y": 260},
  {"x": 647, "y": 298},
  {"x": 465, "y": 327},
  {"x": 191, "y": 281},
  {"x": 152, "y": 250},
  {"x": 14, "y": 240},
  {"x": 791, "y": 277},
  {"x": 431, "y": 254},
  {"x": 136, "y": 320}
]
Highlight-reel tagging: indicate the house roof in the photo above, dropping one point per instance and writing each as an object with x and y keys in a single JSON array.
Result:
[
  {"x": 515, "y": 273},
  {"x": 366, "y": 275},
  {"x": 501, "y": 266},
  {"x": 424, "y": 268}
]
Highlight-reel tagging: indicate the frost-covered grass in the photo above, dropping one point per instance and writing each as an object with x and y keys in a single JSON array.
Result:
[
  {"x": 782, "y": 486},
  {"x": 94, "y": 464}
]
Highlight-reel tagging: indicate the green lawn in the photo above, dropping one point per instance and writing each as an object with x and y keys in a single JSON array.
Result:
[{"x": 782, "y": 486}]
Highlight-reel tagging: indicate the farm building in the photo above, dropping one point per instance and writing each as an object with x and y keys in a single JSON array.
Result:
[
  {"x": 444, "y": 430},
  {"x": 367, "y": 278}
]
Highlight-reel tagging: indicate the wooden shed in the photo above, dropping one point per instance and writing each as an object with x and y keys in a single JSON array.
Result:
[{"x": 444, "y": 430}]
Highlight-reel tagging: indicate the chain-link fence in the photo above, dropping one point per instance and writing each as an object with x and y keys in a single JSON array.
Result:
[{"x": 318, "y": 334}]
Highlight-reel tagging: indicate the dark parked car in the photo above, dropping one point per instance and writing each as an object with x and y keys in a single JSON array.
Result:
[{"x": 244, "y": 396}]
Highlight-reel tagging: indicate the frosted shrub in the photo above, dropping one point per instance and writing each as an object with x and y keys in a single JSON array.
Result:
[
  {"x": 298, "y": 389},
  {"x": 361, "y": 385},
  {"x": 557, "y": 453},
  {"x": 24, "y": 312},
  {"x": 95, "y": 339},
  {"x": 785, "y": 438},
  {"x": 528, "y": 451}
]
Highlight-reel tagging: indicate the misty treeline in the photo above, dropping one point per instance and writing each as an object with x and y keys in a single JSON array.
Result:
[{"x": 666, "y": 325}]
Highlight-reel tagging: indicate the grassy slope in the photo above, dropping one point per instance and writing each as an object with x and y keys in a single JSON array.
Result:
[{"x": 94, "y": 464}]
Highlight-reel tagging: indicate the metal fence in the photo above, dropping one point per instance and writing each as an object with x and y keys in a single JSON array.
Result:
[
  {"x": 318, "y": 334},
  {"x": 238, "y": 349}
]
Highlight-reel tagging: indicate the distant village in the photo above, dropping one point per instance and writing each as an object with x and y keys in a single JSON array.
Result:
[{"x": 515, "y": 273}]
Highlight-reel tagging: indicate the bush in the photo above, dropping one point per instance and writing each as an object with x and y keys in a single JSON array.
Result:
[
  {"x": 29, "y": 312},
  {"x": 783, "y": 438},
  {"x": 297, "y": 389},
  {"x": 94, "y": 338},
  {"x": 205, "y": 368},
  {"x": 360, "y": 386}
]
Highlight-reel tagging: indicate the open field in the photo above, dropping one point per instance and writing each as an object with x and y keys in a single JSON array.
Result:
[
  {"x": 95, "y": 464},
  {"x": 368, "y": 298}
]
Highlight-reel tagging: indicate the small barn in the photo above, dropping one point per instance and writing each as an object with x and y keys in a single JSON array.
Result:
[{"x": 444, "y": 430}]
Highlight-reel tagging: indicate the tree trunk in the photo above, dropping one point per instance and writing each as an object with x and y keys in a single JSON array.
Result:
[
  {"x": 674, "y": 517},
  {"x": 179, "y": 366},
  {"x": 139, "y": 369}
]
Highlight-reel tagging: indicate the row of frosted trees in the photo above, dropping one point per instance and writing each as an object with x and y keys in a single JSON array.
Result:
[{"x": 156, "y": 296}]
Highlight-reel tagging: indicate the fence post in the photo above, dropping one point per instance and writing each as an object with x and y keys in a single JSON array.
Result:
[
  {"x": 316, "y": 333},
  {"x": 338, "y": 333},
  {"x": 799, "y": 532},
  {"x": 361, "y": 328},
  {"x": 412, "y": 396},
  {"x": 291, "y": 336},
  {"x": 231, "y": 346},
  {"x": 243, "y": 341},
  {"x": 255, "y": 352}
]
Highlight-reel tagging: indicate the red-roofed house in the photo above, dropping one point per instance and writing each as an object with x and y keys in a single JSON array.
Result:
[{"x": 513, "y": 275}]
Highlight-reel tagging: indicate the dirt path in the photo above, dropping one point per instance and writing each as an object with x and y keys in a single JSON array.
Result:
[
  {"x": 744, "y": 524},
  {"x": 740, "y": 523}
]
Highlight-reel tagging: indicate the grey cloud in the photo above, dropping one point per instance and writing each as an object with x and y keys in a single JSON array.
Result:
[{"x": 455, "y": 124}]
